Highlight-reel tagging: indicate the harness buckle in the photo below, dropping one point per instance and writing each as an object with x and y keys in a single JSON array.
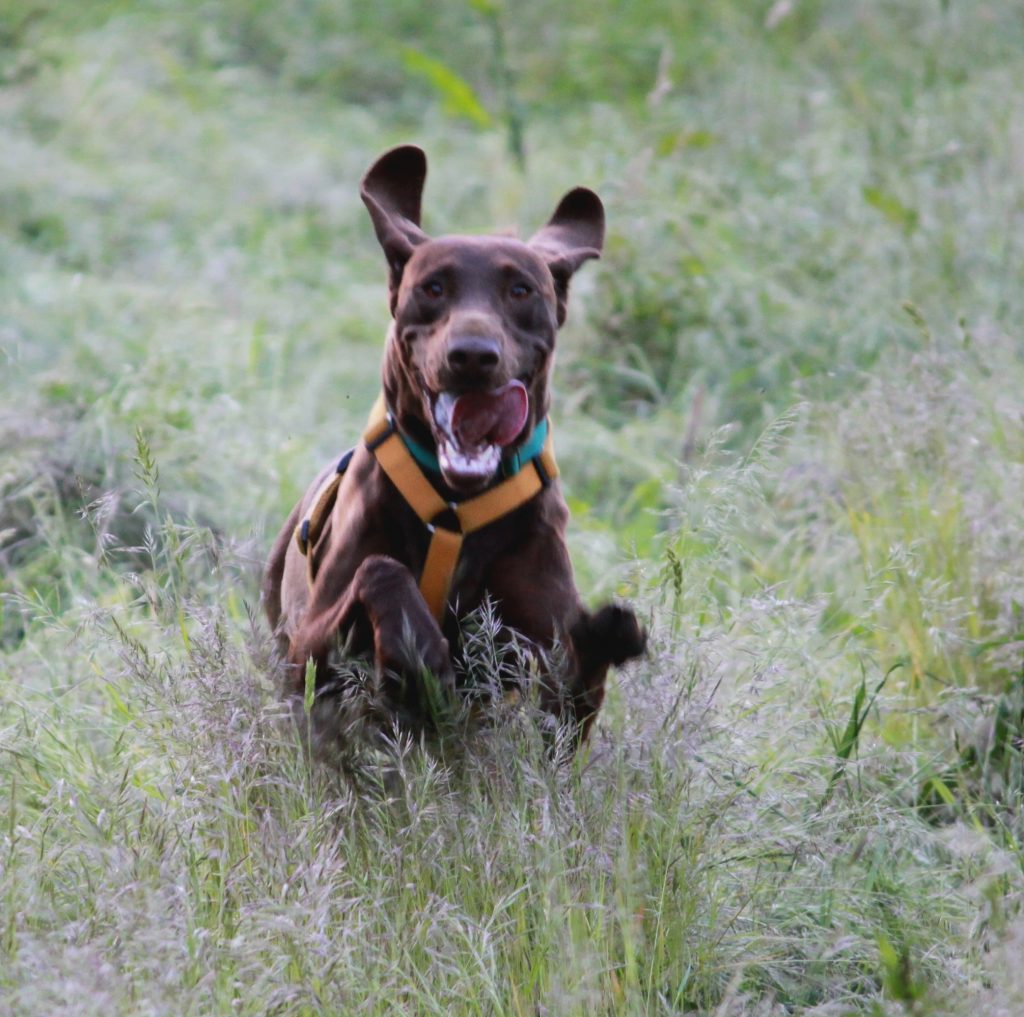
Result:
[{"x": 343, "y": 462}]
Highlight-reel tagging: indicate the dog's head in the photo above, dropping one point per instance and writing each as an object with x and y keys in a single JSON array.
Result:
[{"x": 475, "y": 318}]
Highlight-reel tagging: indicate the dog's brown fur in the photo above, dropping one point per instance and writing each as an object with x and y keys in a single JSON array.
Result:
[{"x": 470, "y": 314}]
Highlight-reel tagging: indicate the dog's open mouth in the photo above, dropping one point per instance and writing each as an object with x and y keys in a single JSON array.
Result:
[{"x": 475, "y": 427}]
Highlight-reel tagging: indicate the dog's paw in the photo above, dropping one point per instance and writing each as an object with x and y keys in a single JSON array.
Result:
[
  {"x": 611, "y": 633},
  {"x": 624, "y": 636}
]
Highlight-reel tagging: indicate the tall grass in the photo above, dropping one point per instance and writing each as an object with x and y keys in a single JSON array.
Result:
[{"x": 787, "y": 414}]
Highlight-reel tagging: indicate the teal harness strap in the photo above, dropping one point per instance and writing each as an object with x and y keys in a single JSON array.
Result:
[
  {"x": 517, "y": 459},
  {"x": 423, "y": 455},
  {"x": 511, "y": 464}
]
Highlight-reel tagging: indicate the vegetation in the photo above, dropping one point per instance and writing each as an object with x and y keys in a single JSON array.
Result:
[{"x": 789, "y": 422}]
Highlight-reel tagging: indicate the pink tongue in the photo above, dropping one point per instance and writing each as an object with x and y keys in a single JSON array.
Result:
[{"x": 492, "y": 418}]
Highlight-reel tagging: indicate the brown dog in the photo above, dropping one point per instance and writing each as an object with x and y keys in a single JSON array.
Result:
[{"x": 452, "y": 497}]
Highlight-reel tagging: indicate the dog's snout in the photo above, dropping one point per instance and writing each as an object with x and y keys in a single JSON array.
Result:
[{"x": 473, "y": 355}]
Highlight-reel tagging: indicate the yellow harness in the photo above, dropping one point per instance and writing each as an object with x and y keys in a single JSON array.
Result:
[{"x": 383, "y": 440}]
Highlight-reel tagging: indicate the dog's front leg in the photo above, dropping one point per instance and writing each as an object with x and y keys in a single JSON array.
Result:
[
  {"x": 381, "y": 610},
  {"x": 538, "y": 599},
  {"x": 610, "y": 635}
]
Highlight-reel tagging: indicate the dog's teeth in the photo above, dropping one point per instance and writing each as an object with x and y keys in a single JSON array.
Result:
[
  {"x": 478, "y": 464},
  {"x": 443, "y": 406}
]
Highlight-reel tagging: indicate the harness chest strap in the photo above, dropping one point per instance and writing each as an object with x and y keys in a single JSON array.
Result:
[{"x": 386, "y": 444}]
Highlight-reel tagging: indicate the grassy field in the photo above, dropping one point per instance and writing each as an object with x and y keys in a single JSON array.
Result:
[{"x": 789, "y": 420}]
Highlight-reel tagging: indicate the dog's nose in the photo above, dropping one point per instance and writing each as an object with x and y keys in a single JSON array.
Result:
[{"x": 473, "y": 356}]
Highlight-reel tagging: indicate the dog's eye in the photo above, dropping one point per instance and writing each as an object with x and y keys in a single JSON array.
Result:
[
  {"x": 433, "y": 289},
  {"x": 519, "y": 291}
]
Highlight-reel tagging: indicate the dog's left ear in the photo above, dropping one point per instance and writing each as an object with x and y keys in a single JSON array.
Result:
[
  {"x": 573, "y": 234},
  {"x": 392, "y": 191}
]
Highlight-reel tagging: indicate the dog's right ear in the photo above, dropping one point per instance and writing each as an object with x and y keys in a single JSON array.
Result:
[{"x": 392, "y": 190}]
